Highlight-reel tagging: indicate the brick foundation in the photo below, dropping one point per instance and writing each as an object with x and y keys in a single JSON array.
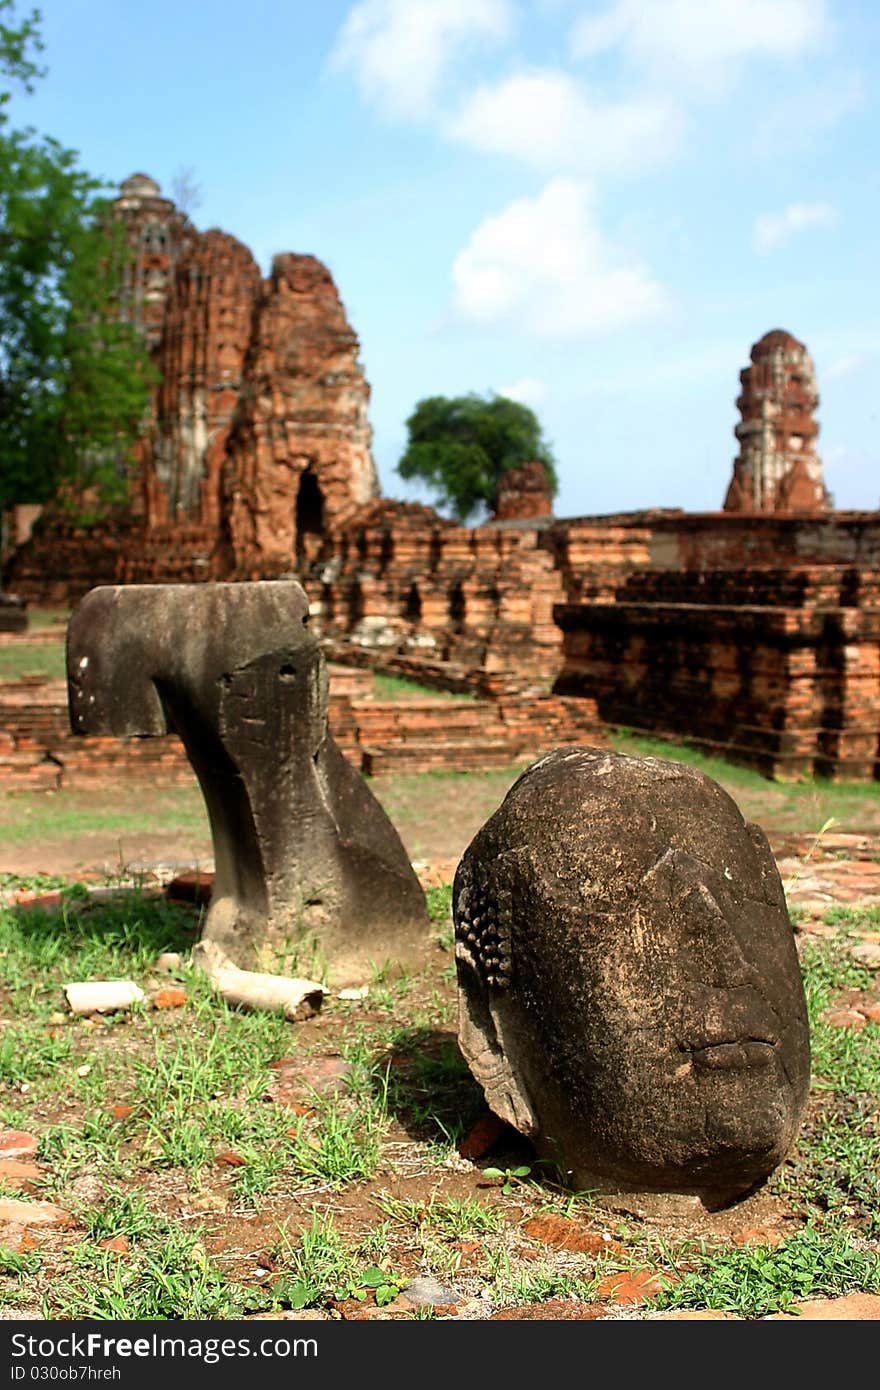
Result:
[{"x": 38, "y": 752}]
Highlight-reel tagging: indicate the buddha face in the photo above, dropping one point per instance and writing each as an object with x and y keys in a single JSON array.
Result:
[{"x": 629, "y": 987}]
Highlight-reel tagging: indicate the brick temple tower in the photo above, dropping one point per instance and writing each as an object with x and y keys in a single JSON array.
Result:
[
  {"x": 257, "y": 443},
  {"x": 524, "y": 493},
  {"x": 157, "y": 233},
  {"x": 259, "y": 429},
  {"x": 777, "y": 469}
]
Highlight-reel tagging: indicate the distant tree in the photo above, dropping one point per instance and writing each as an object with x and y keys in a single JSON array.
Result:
[
  {"x": 74, "y": 373},
  {"x": 460, "y": 447},
  {"x": 186, "y": 191}
]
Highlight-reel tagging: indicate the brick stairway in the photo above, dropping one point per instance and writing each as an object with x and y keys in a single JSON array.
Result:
[
  {"x": 39, "y": 753},
  {"x": 468, "y": 735}
]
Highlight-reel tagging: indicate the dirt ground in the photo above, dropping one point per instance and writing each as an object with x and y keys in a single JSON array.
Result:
[
  {"x": 110, "y": 830},
  {"x": 827, "y": 844},
  {"x": 537, "y": 1231},
  {"x": 145, "y": 826}
]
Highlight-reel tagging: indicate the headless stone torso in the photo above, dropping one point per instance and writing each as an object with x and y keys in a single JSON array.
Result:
[{"x": 303, "y": 851}]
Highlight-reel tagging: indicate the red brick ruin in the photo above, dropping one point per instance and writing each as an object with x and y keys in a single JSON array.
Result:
[
  {"x": 777, "y": 469},
  {"x": 753, "y": 631}
]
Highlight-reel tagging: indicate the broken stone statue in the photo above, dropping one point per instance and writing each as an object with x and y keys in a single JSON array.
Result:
[
  {"x": 303, "y": 851},
  {"x": 629, "y": 989}
]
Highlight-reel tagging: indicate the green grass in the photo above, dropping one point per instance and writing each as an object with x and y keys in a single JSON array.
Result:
[
  {"x": 120, "y": 1213},
  {"x": 166, "y": 1275},
  {"x": 511, "y": 1285},
  {"x": 401, "y": 688},
  {"x": 835, "y": 1167},
  {"x": 754, "y": 1281},
  {"x": 86, "y": 939},
  {"x": 39, "y": 618},
  {"x": 197, "y": 1079},
  {"x": 429, "y": 1088},
  {"x": 844, "y": 1061},
  {"x": 28, "y": 818},
  {"x": 12, "y": 1262},
  {"x": 32, "y": 658},
  {"x": 453, "y": 1218},
  {"x": 321, "y": 1266},
  {"x": 645, "y": 746},
  {"x": 440, "y": 904},
  {"x": 807, "y": 805}
]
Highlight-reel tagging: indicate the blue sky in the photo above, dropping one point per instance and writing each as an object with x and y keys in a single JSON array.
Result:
[{"x": 594, "y": 207}]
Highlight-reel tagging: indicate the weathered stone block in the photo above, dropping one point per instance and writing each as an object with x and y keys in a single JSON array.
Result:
[{"x": 303, "y": 851}]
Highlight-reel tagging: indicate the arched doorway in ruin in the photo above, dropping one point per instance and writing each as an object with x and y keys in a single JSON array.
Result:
[
  {"x": 309, "y": 520},
  {"x": 355, "y": 606},
  {"x": 412, "y": 606},
  {"x": 457, "y": 608},
  {"x": 386, "y": 554}
]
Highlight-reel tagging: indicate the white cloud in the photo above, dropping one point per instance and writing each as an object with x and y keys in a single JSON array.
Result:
[
  {"x": 847, "y": 365},
  {"x": 528, "y": 391},
  {"x": 771, "y": 229},
  {"x": 701, "y": 40},
  {"x": 799, "y": 120},
  {"x": 543, "y": 266},
  {"x": 399, "y": 50},
  {"x": 545, "y": 118}
]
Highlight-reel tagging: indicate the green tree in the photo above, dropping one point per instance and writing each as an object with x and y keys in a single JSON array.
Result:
[
  {"x": 460, "y": 446},
  {"x": 74, "y": 373}
]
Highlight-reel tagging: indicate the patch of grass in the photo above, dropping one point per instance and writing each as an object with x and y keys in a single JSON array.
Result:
[
  {"x": 301, "y": 955},
  {"x": 452, "y": 1217},
  {"x": 396, "y": 688},
  {"x": 166, "y": 1277},
  {"x": 429, "y": 1086},
  {"x": 323, "y": 1267},
  {"x": 835, "y": 1166},
  {"x": 846, "y": 1061},
  {"x": 313, "y": 1267},
  {"x": 16, "y": 1264},
  {"x": 19, "y": 659},
  {"x": 200, "y": 1093},
  {"x": 390, "y": 989},
  {"x": 511, "y": 1285},
  {"x": 440, "y": 905},
  {"x": 755, "y": 1280},
  {"x": 827, "y": 968},
  {"x": 646, "y": 746},
  {"x": 42, "y": 883},
  {"x": 91, "y": 1146},
  {"x": 86, "y": 940},
  {"x": 177, "y": 1140},
  {"x": 852, "y": 917},
  {"x": 39, "y": 618},
  {"x": 28, "y": 1055},
  {"x": 192, "y": 1070},
  {"x": 120, "y": 1214},
  {"x": 34, "y": 817},
  {"x": 843, "y": 1060},
  {"x": 340, "y": 1145}
]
